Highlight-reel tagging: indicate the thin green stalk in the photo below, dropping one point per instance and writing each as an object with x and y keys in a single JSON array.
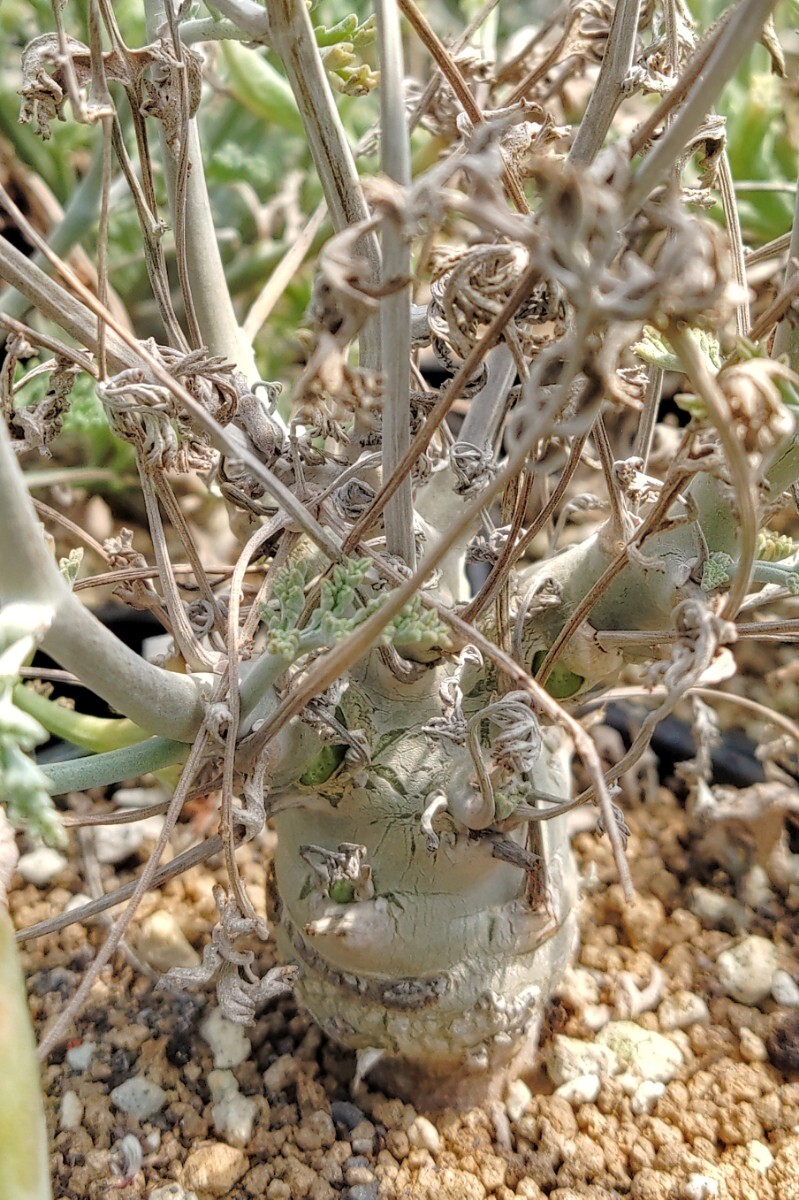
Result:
[
  {"x": 206, "y": 290},
  {"x": 113, "y": 766},
  {"x": 97, "y": 734},
  {"x": 155, "y": 699}
]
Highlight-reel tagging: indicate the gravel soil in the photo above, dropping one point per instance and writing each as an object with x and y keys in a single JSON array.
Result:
[{"x": 669, "y": 1070}]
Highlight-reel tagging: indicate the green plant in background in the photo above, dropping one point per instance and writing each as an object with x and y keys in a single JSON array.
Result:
[{"x": 405, "y": 720}]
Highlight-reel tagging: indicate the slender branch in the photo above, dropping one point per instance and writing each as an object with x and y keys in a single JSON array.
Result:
[
  {"x": 396, "y": 307},
  {"x": 152, "y": 698},
  {"x": 609, "y": 89},
  {"x": 733, "y": 223},
  {"x": 283, "y": 273},
  {"x": 718, "y": 411},
  {"x": 454, "y": 78},
  {"x": 442, "y": 406},
  {"x": 186, "y": 641},
  {"x": 786, "y": 340},
  {"x": 250, "y": 17},
  {"x": 206, "y": 291},
  {"x": 292, "y": 37},
  {"x": 737, "y": 35},
  {"x": 112, "y": 766}
]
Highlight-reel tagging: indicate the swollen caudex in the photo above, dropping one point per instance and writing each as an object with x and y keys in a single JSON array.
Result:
[{"x": 419, "y": 932}]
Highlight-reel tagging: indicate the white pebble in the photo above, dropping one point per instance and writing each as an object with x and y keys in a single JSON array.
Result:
[
  {"x": 228, "y": 1041},
  {"x": 76, "y": 901},
  {"x": 41, "y": 865},
  {"x": 568, "y": 1058},
  {"x": 139, "y": 797},
  {"x": 746, "y": 971},
  {"x": 784, "y": 989},
  {"x": 582, "y": 1090},
  {"x": 163, "y": 944},
  {"x": 139, "y": 1097},
  {"x": 233, "y": 1115},
  {"x": 700, "y": 1187},
  {"x": 756, "y": 888},
  {"x": 579, "y": 988},
  {"x": 517, "y": 1099},
  {"x": 596, "y": 1016},
  {"x": 424, "y": 1135},
  {"x": 643, "y": 1053},
  {"x": 717, "y": 911},
  {"x": 114, "y": 843},
  {"x": 79, "y": 1057},
  {"x": 682, "y": 1009},
  {"x": 758, "y": 1157},
  {"x": 70, "y": 1114},
  {"x": 646, "y": 1096}
]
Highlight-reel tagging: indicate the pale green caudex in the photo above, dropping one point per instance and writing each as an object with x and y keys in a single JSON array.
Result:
[{"x": 409, "y": 733}]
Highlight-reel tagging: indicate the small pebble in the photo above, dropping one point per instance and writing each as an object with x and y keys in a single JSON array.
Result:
[
  {"x": 717, "y": 911},
  {"x": 756, "y": 888},
  {"x": 79, "y": 1057},
  {"x": 517, "y": 1099},
  {"x": 568, "y": 1058},
  {"x": 163, "y": 944},
  {"x": 363, "y": 1191},
  {"x": 644, "y": 1053},
  {"x": 214, "y": 1168},
  {"x": 784, "y": 989},
  {"x": 280, "y": 1074},
  {"x": 346, "y": 1114},
  {"x": 139, "y": 797},
  {"x": 114, "y": 843},
  {"x": 646, "y": 1096},
  {"x": 681, "y": 1010},
  {"x": 700, "y": 1187},
  {"x": 582, "y": 1090},
  {"x": 746, "y": 971},
  {"x": 138, "y": 1097},
  {"x": 70, "y": 1114},
  {"x": 41, "y": 865},
  {"x": 228, "y": 1041},
  {"x": 759, "y": 1157},
  {"x": 753, "y": 1048},
  {"x": 233, "y": 1115},
  {"x": 423, "y": 1134},
  {"x": 171, "y": 1191}
]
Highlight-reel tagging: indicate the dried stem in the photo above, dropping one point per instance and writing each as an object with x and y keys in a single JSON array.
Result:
[
  {"x": 611, "y": 86},
  {"x": 396, "y": 307}
]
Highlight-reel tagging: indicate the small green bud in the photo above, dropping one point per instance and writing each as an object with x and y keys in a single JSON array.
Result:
[
  {"x": 327, "y": 761},
  {"x": 342, "y": 891},
  {"x": 562, "y": 683}
]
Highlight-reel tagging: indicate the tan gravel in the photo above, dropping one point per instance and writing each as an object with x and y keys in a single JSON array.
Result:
[{"x": 725, "y": 1123}]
